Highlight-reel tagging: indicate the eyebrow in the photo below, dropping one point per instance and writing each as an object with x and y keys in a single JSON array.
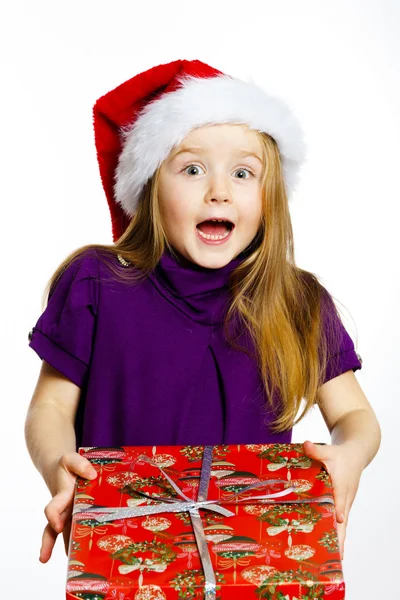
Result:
[{"x": 193, "y": 150}]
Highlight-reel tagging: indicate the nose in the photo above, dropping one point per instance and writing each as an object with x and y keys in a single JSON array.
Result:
[
  {"x": 218, "y": 190},
  {"x": 219, "y": 198}
]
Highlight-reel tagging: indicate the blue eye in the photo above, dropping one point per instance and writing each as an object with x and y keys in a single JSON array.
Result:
[
  {"x": 238, "y": 170},
  {"x": 191, "y": 167},
  {"x": 247, "y": 170}
]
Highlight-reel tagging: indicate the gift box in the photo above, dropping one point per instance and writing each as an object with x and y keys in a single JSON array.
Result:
[{"x": 213, "y": 522}]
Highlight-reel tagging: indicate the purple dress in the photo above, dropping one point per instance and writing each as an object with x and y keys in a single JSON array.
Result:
[{"x": 151, "y": 360}]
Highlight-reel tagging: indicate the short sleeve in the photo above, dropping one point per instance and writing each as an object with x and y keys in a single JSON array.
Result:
[
  {"x": 63, "y": 335},
  {"x": 342, "y": 355}
]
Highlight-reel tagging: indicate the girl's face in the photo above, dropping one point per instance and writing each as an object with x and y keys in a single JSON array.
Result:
[{"x": 214, "y": 173}]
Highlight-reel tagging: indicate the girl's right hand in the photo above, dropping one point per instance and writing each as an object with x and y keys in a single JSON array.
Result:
[{"x": 59, "y": 510}]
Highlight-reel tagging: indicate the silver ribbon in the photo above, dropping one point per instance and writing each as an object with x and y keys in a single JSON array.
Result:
[{"x": 192, "y": 507}]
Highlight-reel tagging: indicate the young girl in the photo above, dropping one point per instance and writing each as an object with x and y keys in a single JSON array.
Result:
[{"x": 195, "y": 326}]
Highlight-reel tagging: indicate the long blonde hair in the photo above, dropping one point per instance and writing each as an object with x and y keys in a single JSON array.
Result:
[{"x": 279, "y": 304}]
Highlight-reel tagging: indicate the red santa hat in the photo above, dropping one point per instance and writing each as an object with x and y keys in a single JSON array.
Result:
[{"x": 137, "y": 124}]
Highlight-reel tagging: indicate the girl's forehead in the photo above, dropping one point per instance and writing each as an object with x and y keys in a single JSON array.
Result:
[
  {"x": 227, "y": 136},
  {"x": 222, "y": 130}
]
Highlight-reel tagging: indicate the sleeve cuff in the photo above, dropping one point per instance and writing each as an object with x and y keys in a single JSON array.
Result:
[
  {"x": 342, "y": 362},
  {"x": 65, "y": 363}
]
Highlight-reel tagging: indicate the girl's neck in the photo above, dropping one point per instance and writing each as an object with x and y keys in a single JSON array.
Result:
[{"x": 201, "y": 293}]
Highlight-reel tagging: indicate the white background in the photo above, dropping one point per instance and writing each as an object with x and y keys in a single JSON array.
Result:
[{"x": 337, "y": 64}]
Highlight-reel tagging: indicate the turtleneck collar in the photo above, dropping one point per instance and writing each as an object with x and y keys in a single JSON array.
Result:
[{"x": 201, "y": 293}]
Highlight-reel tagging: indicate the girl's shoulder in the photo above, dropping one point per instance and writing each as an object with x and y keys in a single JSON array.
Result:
[
  {"x": 96, "y": 261},
  {"x": 86, "y": 261},
  {"x": 63, "y": 332}
]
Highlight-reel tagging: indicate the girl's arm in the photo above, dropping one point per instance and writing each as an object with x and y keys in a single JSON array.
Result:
[
  {"x": 51, "y": 441},
  {"x": 49, "y": 424},
  {"x": 350, "y": 417},
  {"x": 356, "y": 437}
]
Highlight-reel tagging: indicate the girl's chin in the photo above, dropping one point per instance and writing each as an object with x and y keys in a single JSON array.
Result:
[
  {"x": 211, "y": 260},
  {"x": 205, "y": 255}
]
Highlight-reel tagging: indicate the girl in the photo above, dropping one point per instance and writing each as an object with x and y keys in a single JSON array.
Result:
[{"x": 195, "y": 326}]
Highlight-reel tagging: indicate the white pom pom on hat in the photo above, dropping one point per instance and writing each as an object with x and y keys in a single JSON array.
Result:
[{"x": 138, "y": 123}]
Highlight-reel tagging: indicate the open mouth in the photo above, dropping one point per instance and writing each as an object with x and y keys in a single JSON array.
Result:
[{"x": 215, "y": 229}]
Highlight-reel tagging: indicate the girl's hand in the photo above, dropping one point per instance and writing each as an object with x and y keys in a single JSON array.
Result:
[
  {"x": 59, "y": 509},
  {"x": 345, "y": 467}
]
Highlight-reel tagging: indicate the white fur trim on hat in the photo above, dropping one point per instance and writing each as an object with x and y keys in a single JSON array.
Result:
[{"x": 165, "y": 122}]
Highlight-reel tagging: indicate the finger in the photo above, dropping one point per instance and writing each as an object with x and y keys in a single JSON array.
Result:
[
  {"x": 50, "y": 536},
  {"x": 347, "y": 509},
  {"x": 66, "y": 514},
  {"x": 341, "y": 530},
  {"x": 341, "y": 501},
  {"x": 48, "y": 540},
  {"x": 342, "y": 527},
  {"x": 56, "y": 508},
  {"x": 79, "y": 465},
  {"x": 65, "y": 517}
]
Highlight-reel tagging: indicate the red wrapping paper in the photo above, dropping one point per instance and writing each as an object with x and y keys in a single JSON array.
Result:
[{"x": 267, "y": 550}]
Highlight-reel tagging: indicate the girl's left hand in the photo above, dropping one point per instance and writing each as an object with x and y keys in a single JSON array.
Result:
[{"x": 344, "y": 465}]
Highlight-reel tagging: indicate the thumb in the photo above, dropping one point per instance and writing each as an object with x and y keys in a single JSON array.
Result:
[
  {"x": 316, "y": 451},
  {"x": 79, "y": 465}
]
